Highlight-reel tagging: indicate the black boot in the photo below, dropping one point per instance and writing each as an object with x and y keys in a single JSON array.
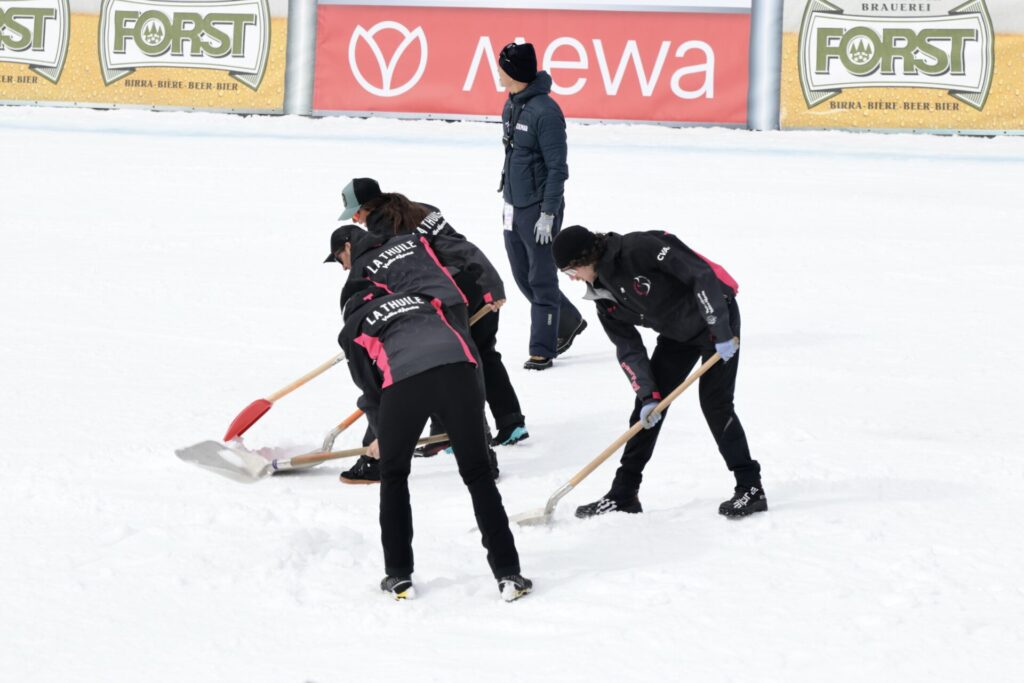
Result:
[
  {"x": 608, "y": 504},
  {"x": 510, "y": 435},
  {"x": 400, "y": 587},
  {"x": 365, "y": 471},
  {"x": 745, "y": 501},
  {"x": 514, "y": 587},
  {"x": 537, "y": 363},
  {"x": 565, "y": 342}
]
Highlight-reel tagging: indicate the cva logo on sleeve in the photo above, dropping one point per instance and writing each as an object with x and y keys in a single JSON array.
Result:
[
  {"x": 231, "y": 35},
  {"x": 953, "y": 51},
  {"x": 35, "y": 32}
]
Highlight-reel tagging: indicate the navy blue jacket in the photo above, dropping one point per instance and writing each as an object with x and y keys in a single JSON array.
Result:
[{"x": 536, "y": 166}]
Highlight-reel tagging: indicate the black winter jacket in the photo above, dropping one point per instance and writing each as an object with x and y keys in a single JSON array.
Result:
[
  {"x": 403, "y": 263},
  {"x": 393, "y": 337},
  {"x": 464, "y": 261},
  {"x": 651, "y": 279},
  {"x": 536, "y": 166}
]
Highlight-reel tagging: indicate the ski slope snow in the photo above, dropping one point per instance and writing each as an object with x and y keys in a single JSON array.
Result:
[{"x": 162, "y": 270}]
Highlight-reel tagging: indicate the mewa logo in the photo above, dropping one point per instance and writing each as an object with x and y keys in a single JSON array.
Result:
[
  {"x": 35, "y": 32},
  {"x": 394, "y": 82},
  {"x": 230, "y": 35},
  {"x": 388, "y": 87},
  {"x": 954, "y": 51}
]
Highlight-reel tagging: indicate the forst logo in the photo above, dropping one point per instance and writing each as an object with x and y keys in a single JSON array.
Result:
[
  {"x": 231, "y": 35},
  {"x": 953, "y": 51},
  {"x": 389, "y": 85},
  {"x": 35, "y": 32}
]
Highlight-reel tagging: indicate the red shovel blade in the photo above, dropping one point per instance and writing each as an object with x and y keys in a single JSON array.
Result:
[{"x": 247, "y": 418}]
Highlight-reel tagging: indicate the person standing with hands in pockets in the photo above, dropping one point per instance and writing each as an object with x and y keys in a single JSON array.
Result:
[{"x": 532, "y": 185}]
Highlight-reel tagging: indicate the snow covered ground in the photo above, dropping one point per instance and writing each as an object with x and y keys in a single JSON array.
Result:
[{"x": 161, "y": 271}]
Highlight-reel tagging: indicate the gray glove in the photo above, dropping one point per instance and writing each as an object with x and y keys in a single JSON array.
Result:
[
  {"x": 727, "y": 349},
  {"x": 649, "y": 418},
  {"x": 542, "y": 229}
]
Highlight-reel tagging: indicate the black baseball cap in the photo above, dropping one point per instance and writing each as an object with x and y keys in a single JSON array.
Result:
[{"x": 342, "y": 236}]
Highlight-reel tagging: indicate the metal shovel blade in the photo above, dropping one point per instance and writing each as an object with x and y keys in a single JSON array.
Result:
[
  {"x": 543, "y": 515},
  {"x": 233, "y": 462},
  {"x": 537, "y": 517},
  {"x": 247, "y": 418}
]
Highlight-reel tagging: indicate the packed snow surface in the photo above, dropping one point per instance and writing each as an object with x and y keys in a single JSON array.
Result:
[{"x": 163, "y": 270}]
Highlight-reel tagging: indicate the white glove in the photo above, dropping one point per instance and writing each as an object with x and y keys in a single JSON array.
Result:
[
  {"x": 727, "y": 349},
  {"x": 542, "y": 229},
  {"x": 649, "y": 418}
]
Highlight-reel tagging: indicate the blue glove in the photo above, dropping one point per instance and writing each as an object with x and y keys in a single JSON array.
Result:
[
  {"x": 542, "y": 228},
  {"x": 649, "y": 418},
  {"x": 727, "y": 349}
]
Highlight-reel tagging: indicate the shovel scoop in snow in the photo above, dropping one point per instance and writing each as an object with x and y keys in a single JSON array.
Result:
[{"x": 234, "y": 461}]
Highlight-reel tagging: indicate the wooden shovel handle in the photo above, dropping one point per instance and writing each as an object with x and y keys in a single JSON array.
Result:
[
  {"x": 319, "y": 370},
  {"x": 479, "y": 314},
  {"x": 313, "y": 458},
  {"x": 632, "y": 431}
]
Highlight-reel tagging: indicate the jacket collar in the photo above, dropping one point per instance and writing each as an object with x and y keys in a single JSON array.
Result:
[
  {"x": 541, "y": 85},
  {"x": 606, "y": 266}
]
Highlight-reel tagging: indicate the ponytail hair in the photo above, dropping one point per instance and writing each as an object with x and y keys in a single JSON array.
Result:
[{"x": 394, "y": 214}]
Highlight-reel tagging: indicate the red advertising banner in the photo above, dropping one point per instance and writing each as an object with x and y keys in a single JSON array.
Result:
[{"x": 689, "y": 67}]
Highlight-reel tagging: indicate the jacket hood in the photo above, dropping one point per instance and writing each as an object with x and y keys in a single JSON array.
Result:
[
  {"x": 363, "y": 241},
  {"x": 541, "y": 85}
]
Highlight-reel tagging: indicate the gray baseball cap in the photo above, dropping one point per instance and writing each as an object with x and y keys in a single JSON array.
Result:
[{"x": 356, "y": 193}]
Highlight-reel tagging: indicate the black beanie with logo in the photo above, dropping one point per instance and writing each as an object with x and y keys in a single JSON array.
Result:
[{"x": 519, "y": 61}]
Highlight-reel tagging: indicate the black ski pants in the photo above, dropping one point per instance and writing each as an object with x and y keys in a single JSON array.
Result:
[
  {"x": 500, "y": 395},
  {"x": 453, "y": 393},
  {"x": 552, "y": 315},
  {"x": 671, "y": 363}
]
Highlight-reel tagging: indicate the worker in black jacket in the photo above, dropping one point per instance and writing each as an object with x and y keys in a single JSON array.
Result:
[
  {"x": 651, "y": 279},
  {"x": 410, "y": 362},
  {"x": 474, "y": 275},
  {"x": 400, "y": 263}
]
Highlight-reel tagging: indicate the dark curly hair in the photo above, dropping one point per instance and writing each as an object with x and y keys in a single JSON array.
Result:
[{"x": 593, "y": 253}]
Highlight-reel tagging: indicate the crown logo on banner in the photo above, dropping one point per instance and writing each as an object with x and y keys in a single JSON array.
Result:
[
  {"x": 230, "y": 35},
  {"x": 953, "y": 51},
  {"x": 35, "y": 32}
]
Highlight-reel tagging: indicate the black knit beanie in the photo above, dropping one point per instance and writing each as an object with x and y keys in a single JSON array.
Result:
[
  {"x": 571, "y": 244},
  {"x": 519, "y": 61}
]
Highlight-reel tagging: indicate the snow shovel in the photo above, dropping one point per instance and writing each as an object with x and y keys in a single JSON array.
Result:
[
  {"x": 238, "y": 463},
  {"x": 351, "y": 419},
  {"x": 342, "y": 426},
  {"x": 543, "y": 515},
  {"x": 257, "y": 408}
]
